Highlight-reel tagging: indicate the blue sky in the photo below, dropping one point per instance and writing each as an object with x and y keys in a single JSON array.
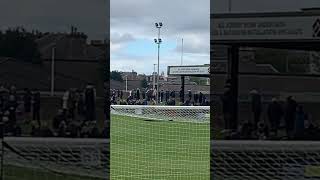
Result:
[{"x": 133, "y": 32}]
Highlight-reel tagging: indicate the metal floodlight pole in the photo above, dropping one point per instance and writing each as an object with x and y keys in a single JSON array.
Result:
[
  {"x": 230, "y": 6},
  {"x": 126, "y": 83},
  {"x": 52, "y": 70},
  {"x": 154, "y": 77},
  {"x": 158, "y": 42}
]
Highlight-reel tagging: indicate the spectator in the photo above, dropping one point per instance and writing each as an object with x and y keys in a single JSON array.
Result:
[
  {"x": 62, "y": 129},
  {"x": 81, "y": 105},
  {"x": 200, "y": 97},
  {"x": 94, "y": 133},
  {"x": 256, "y": 106},
  {"x": 85, "y": 130},
  {"x": 226, "y": 107},
  {"x": 275, "y": 113},
  {"x": 36, "y": 107},
  {"x": 27, "y": 98},
  {"x": 190, "y": 95},
  {"x": 167, "y": 96},
  {"x": 34, "y": 128},
  {"x": 290, "y": 114},
  {"x": 57, "y": 119},
  {"x": 301, "y": 117},
  {"x": 11, "y": 108},
  {"x": 90, "y": 101},
  {"x": 71, "y": 103},
  {"x": 195, "y": 98}
]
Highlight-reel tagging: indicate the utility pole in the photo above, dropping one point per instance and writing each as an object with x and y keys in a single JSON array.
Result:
[
  {"x": 158, "y": 42},
  {"x": 182, "y": 53},
  {"x": 154, "y": 77},
  {"x": 52, "y": 70}
]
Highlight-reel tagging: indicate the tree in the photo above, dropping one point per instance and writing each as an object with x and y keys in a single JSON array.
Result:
[
  {"x": 144, "y": 83},
  {"x": 116, "y": 75},
  {"x": 20, "y": 44}
]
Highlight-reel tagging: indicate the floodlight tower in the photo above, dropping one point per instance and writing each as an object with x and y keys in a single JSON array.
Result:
[{"x": 158, "y": 42}]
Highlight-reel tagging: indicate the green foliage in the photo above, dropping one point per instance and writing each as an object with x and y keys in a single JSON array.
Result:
[
  {"x": 20, "y": 44},
  {"x": 116, "y": 75}
]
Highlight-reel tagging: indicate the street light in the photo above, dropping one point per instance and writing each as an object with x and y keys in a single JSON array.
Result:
[
  {"x": 52, "y": 69},
  {"x": 230, "y": 6},
  {"x": 158, "y": 42},
  {"x": 154, "y": 77}
]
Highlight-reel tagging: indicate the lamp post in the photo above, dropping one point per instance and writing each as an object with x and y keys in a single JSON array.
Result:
[
  {"x": 154, "y": 77},
  {"x": 230, "y": 5},
  {"x": 52, "y": 70},
  {"x": 158, "y": 42}
]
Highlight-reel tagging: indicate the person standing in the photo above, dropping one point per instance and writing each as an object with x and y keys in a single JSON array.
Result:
[
  {"x": 11, "y": 108},
  {"x": 36, "y": 107},
  {"x": 290, "y": 115},
  {"x": 90, "y": 102},
  {"x": 275, "y": 113},
  {"x": 301, "y": 117},
  {"x": 226, "y": 107},
  {"x": 27, "y": 98},
  {"x": 190, "y": 95},
  {"x": 256, "y": 107}
]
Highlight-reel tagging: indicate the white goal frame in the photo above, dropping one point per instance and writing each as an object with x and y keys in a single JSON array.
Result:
[
  {"x": 265, "y": 160},
  {"x": 80, "y": 157}
]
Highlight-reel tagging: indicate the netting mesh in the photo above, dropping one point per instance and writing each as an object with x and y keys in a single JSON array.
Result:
[
  {"x": 160, "y": 142},
  {"x": 265, "y": 160},
  {"x": 196, "y": 114},
  {"x": 76, "y": 158}
]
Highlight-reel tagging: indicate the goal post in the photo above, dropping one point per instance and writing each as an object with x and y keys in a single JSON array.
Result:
[
  {"x": 43, "y": 158},
  {"x": 194, "y": 114},
  {"x": 265, "y": 160},
  {"x": 160, "y": 142}
]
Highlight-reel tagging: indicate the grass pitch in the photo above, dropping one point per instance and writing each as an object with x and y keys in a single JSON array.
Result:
[{"x": 142, "y": 149}]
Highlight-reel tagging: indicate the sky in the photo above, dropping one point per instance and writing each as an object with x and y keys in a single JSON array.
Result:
[
  {"x": 132, "y": 33},
  {"x": 90, "y": 16}
]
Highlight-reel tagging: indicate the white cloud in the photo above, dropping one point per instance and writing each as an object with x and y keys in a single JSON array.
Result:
[{"x": 186, "y": 19}]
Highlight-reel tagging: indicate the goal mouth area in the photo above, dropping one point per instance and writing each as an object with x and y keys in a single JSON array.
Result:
[{"x": 186, "y": 114}]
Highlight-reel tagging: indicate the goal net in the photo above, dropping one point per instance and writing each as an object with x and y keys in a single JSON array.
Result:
[
  {"x": 265, "y": 160},
  {"x": 55, "y": 158},
  {"x": 160, "y": 142}
]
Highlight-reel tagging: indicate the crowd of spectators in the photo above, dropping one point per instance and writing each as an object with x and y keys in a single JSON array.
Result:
[
  {"x": 20, "y": 114},
  {"x": 147, "y": 96},
  {"x": 284, "y": 118}
]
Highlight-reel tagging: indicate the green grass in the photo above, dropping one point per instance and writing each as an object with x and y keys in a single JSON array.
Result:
[
  {"x": 155, "y": 150},
  {"x": 19, "y": 173}
]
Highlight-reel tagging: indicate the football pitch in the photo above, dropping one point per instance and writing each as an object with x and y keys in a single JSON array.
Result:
[{"x": 150, "y": 149}]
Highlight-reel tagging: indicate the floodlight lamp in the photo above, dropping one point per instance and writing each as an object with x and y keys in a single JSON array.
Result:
[
  {"x": 160, "y": 24},
  {"x": 160, "y": 40},
  {"x": 155, "y": 40},
  {"x": 156, "y": 24}
]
